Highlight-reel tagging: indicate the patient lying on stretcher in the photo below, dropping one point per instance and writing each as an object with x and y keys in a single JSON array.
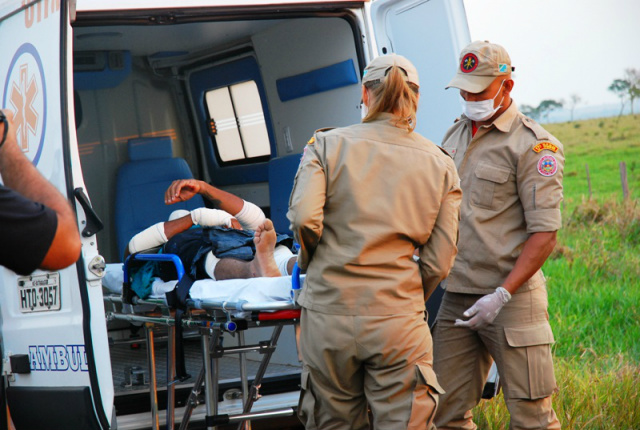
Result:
[{"x": 240, "y": 246}]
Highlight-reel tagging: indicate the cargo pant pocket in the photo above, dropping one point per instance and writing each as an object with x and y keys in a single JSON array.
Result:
[
  {"x": 307, "y": 403},
  {"x": 528, "y": 363},
  {"x": 425, "y": 398}
]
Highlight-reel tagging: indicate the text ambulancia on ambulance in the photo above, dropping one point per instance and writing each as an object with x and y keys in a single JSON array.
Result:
[{"x": 115, "y": 99}]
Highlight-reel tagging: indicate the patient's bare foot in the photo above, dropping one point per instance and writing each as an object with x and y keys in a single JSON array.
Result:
[{"x": 265, "y": 241}]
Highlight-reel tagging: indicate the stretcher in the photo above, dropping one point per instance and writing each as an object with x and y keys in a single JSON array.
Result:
[{"x": 212, "y": 309}]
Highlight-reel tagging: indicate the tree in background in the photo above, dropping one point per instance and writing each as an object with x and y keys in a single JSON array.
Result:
[
  {"x": 575, "y": 100},
  {"x": 548, "y": 106},
  {"x": 632, "y": 76},
  {"x": 530, "y": 111},
  {"x": 620, "y": 87}
]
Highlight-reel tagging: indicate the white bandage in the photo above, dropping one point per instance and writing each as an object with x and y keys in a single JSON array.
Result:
[
  {"x": 210, "y": 265},
  {"x": 251, "y": 216},
  {"x": 205, "y": 217},
  {"x": 178, "y": 213},
  {"x": 282, "y": 255},
  {"x": 152, "y": 237}
]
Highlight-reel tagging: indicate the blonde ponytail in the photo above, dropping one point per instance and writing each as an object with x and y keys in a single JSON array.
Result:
[{"x": 393, "y": 95}]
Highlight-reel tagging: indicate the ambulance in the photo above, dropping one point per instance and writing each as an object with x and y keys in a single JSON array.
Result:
[{"x": 231, "y": 89}]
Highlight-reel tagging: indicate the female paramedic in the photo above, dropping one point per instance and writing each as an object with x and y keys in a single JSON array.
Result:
[{"x": 364, "y": 199}]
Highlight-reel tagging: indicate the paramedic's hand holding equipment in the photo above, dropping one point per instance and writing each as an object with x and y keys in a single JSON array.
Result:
[
  {"x": 485, "y": 310},
  {"x": 37, "y": 225}
]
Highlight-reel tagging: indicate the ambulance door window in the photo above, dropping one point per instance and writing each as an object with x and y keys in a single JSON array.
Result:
[{"x": 236, "y": 122}]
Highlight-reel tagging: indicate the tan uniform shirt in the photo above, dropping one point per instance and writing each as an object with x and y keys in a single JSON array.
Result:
[
  {"x": 364, "y": 198},
  {"x": 511, "y": 176}
]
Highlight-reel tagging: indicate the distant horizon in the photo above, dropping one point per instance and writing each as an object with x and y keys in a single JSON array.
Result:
[{"x": 585, "y": 112}]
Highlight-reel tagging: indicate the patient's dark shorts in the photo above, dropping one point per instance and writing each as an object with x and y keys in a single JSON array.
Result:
[{"x": 193, "y": 245}]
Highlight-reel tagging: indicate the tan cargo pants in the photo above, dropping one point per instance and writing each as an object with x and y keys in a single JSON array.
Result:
[
  {"x": 352, "y": 361},
  {"x": 519, "y": 341}
]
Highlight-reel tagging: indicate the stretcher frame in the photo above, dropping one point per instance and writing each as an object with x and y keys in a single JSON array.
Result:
[{"x": 215, "y": 320}]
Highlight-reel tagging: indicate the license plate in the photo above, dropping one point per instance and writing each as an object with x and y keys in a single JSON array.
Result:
[{"x": 39, "y": 293}]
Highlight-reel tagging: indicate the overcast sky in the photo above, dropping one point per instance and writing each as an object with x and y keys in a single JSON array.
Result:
[{"x": 561, "y": 47}]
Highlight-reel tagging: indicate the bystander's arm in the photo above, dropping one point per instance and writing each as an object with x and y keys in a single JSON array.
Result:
[{"x": 19, "y": 174}]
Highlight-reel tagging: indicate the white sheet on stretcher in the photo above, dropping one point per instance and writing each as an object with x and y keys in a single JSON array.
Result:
[{"x": 253, "y": 290}]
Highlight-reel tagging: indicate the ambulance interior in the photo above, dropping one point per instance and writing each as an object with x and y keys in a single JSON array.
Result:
[{"x": 237, "y": 99}]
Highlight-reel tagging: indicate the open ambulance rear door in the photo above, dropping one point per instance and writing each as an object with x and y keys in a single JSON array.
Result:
[
  {"x": 54, "y": 341},
  {"x": 430, "y": 33}
]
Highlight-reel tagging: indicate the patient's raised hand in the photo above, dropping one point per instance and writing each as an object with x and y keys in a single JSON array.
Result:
[{"x": 182, "y": 190}]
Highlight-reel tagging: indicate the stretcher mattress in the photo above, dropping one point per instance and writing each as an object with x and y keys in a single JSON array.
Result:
[{"x": 253, "y": 290}]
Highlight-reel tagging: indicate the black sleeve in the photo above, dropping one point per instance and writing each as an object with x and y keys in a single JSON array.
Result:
[{"x": 27, "y": 230}]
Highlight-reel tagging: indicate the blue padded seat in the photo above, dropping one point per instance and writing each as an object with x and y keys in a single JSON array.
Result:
[
  {"x": 282, "y": 171},
  {"x": 141, "y": 185}
]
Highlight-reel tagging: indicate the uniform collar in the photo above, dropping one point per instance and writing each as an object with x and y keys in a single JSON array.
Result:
[
  {"x": 383, "y": 117},
  {"x": 505, "y": 121}
]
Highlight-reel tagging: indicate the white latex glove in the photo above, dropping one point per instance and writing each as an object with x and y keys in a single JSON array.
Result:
[
  {"x": 485, "y": 310},
  {"x": 205, "y": 217}
]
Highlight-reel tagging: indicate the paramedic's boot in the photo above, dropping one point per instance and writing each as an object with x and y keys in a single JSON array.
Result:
[{"x": 265, "y": 241}]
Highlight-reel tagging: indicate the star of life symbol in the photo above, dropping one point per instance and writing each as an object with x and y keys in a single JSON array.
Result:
[
  {"x": 22, "y": 98},
  {"x": 25, "y": 93}
]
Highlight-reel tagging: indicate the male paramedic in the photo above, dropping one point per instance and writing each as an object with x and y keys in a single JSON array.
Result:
[
  {"x": 234, "y": 236},
  {"x": 495, "y": 304},
  {"x": 37, "y": 225}
]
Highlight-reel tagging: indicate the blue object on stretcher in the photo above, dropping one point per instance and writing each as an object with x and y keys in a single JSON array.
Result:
[
  {"x": 127, "y": 292},
  {"x": 295, "y": 283}
]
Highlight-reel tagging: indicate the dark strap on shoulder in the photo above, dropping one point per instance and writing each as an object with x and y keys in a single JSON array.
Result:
[{"x": 178, "y": 300}]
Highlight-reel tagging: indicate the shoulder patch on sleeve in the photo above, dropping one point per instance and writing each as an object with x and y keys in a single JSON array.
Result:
[
  {"x": 547, "y": 165},
  {"x": 312, "y": 140},
  {"x": 541, "y": 146},
  {"x": 537, "y": 129}
]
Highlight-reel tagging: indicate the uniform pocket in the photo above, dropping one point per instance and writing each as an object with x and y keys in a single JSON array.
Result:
[
  {"x": 489, "y": 187},
  {"x": 307, "y": 402},
  {"x": 425, "y": 398},
  {"x": 530, "y": 346}
]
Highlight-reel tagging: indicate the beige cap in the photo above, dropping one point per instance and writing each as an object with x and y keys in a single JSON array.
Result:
[
  {"x": 378, "y": 69},
  {"x": 480, "y": 63}
]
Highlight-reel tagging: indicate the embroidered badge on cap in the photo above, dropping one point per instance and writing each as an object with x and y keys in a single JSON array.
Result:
[
  {"x": 548, "y": 165},
  {"x": 469, "y": 63},
  {"x": 502, "y": 68},
  {"x": 545, "y": 145}
]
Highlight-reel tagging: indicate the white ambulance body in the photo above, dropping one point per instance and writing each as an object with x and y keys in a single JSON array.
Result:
[{"x": 86, "y": 77}]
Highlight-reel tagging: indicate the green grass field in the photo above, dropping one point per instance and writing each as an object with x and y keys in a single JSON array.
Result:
[{"x": 594, "y": 282}]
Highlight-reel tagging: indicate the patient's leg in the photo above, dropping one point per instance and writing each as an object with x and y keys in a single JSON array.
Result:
[{"x": 262, "y": 265}]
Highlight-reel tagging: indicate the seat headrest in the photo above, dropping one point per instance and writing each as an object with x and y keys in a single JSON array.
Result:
[{"x": 150, "y": 148}]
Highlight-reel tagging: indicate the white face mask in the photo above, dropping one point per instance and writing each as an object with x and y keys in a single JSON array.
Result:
[{"x": 482, "y": 110}]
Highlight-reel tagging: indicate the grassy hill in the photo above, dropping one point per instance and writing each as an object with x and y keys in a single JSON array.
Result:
[
  {"x": 601, "y": 144},
  {"x": 594, "y": 282}
]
